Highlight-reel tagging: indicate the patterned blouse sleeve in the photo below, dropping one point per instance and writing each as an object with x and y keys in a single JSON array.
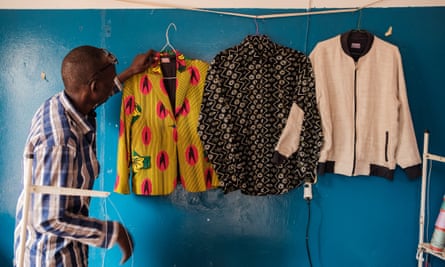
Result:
[
  {"x": 303, "y": 128},
  {"x": 307, "y": 101},
  {"x": 210, "y": 119}
]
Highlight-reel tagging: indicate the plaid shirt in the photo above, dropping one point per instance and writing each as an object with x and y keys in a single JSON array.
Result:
[{"x": 59, "y": 229}]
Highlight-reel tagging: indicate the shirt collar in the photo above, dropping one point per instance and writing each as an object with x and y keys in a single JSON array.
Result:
[
  {"x": 77, "y": 119},
  {"x": 259, "y": 43}
]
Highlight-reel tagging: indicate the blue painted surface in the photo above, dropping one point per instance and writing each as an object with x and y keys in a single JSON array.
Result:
[{"x": 362, "y": 221}]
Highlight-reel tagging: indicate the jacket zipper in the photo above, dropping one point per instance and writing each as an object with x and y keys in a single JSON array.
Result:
[{"x": 355, "y": 118}]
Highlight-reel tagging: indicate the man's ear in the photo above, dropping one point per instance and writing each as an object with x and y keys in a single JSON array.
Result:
[{"x": 93, "y": 86}]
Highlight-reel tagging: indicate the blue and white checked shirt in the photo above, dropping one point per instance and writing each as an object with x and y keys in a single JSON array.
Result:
[{"x": 59, "y": 229}]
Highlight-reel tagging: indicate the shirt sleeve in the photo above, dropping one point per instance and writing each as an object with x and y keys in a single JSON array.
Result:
[
  {"x": 61, "y": 215},
  {"x": 290, "y": 137},
  {"x": 211, "y": 120},
  {"x": 303, "y": 132},
  {"x": 118, "y": 87}
]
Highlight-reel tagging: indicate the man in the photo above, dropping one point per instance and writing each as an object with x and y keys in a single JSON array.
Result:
[{"x": 62, "y": 143}]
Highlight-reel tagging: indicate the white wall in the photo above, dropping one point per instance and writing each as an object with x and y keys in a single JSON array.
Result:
[{"x": 111, "y": 4}]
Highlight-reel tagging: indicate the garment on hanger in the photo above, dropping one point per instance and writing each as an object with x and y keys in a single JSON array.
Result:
[
  {"x": 158, "y": 138},
  {"x": 361, "y": 94},
  {"x": 357, "y": 43},
  {"x": 253, "y": 141}
]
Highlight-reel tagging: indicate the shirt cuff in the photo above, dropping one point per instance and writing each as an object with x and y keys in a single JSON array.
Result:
[
  {"x": 118, "y": 85},
  {"x": 278, "y": 158},
  {"x": 111, "y": 234}
]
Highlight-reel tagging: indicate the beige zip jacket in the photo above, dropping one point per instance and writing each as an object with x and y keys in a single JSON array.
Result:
[{"x": 364, "y": 108}]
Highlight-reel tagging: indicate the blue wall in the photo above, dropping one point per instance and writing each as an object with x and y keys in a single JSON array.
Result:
[{"x": 361, "y": 221}]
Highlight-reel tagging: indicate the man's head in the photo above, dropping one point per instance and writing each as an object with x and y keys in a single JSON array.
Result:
[{"x": 88, "y": 75}]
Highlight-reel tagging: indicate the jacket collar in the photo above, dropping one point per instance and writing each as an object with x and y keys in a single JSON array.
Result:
[
  {"x": 356, "y": 43},
  {"x": 180, "y": 60}
]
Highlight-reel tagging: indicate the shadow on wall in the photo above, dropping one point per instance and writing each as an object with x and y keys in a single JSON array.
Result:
[
  {"x": 5, "y": 261},
  {"x": 7, "y": 240},
  {"x": 237, "y": 236},
  {"x": 210, "y": 229},
  {"x": 228, "y": 251}
]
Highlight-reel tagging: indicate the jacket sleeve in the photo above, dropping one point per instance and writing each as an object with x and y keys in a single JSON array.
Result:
[
  {"x": 407, "y": 154},
  {"x": 128, "y": 109},
  {"x": 323, "y": 104},
  {"x": 62, "y": 215}
]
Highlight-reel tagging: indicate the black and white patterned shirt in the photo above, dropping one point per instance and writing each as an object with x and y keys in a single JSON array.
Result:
[{"x": 249, "y": 133}]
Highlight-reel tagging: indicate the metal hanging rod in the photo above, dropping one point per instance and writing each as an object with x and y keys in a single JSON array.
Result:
[{"x": 236, "y": 14}]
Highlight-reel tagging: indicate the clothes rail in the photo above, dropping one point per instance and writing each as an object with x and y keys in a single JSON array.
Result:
[
  {"x": 425, "y": 247},
  {"x": 29, "y": 189},
  {"x": 266, "y": 16}
]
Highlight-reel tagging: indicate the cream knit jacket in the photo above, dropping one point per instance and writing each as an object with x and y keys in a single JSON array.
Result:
[{"x": 364, "y": 109}]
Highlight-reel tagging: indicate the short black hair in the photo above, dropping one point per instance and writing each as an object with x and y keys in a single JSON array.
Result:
[{"x": 79, "y": 64}]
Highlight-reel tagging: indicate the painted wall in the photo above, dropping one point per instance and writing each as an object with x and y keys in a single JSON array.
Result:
[{"x": 361, "y": 221}]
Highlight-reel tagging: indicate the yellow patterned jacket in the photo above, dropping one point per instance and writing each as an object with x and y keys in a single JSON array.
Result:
[{"x": 159, "y": 146}]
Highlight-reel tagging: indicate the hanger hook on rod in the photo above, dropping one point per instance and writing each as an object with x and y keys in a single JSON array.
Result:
[
  {"x": 167, "y": 31},
  {"x": 359, "y": 19},
  {"x": 256, "y": 25}
]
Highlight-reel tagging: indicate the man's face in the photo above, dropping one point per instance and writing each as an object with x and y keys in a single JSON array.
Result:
[
  {"x": 105, "y": 85},
  {"x": 103, "y": 80}
]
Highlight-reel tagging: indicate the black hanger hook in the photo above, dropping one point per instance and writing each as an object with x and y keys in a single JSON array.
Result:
[{"x": 359, "y": 19}]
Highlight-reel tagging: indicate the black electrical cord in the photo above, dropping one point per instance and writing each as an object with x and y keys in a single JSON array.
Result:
[{"x": 307, "y": 231}]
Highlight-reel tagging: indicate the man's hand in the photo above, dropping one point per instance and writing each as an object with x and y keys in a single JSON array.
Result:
[
  {"x": 140, "y": 63},
  {"x": 125, "y": 243}
]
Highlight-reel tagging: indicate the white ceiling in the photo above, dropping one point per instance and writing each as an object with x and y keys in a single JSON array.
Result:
[{"x": 298, "y": 4}]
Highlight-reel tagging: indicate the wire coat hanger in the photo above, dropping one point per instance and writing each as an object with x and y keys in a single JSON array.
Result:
[
  {"x": 359, "y": 20},
  {"x": 167, "y": 40},
  {"x": 257, "y": 31}
]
